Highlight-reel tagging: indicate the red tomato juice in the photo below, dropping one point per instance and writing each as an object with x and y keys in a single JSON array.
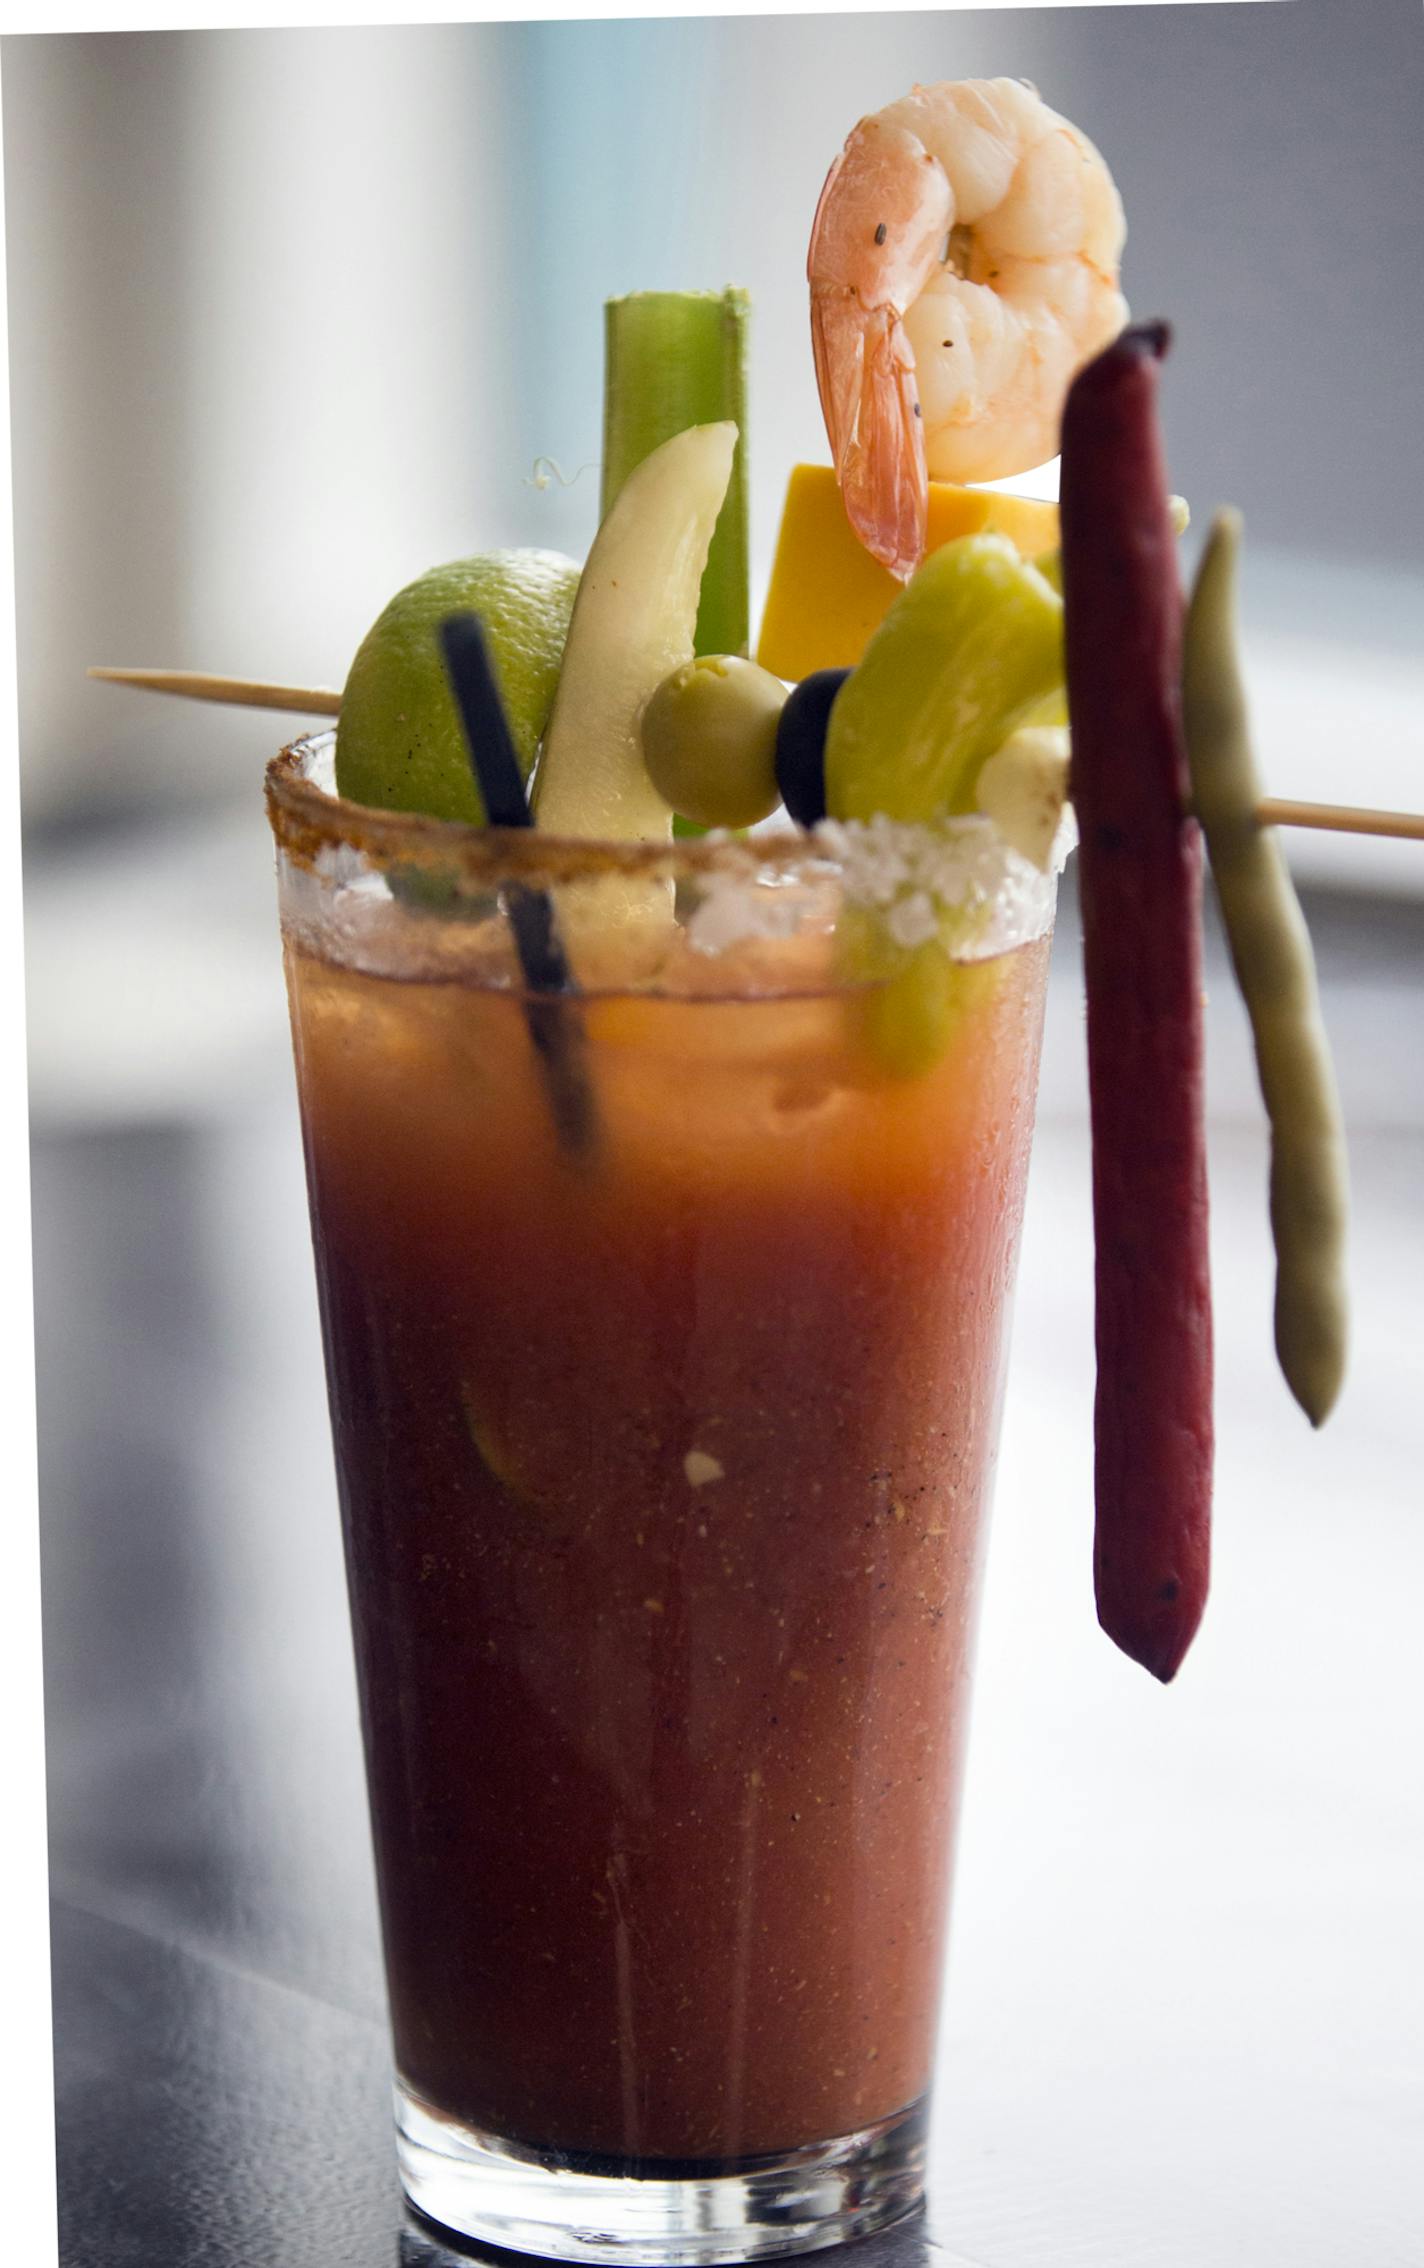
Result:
[{"x": 663, "y": 1474}]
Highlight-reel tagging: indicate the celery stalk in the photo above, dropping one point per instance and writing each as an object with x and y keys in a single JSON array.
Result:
[{"x": 674, "y": 359}]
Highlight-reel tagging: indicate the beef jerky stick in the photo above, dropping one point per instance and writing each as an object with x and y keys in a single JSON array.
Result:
[{"x": 1140, "y": 876}]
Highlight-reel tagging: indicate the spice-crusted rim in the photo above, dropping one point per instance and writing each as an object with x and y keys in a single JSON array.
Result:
[{"x": 308, "y": 819}]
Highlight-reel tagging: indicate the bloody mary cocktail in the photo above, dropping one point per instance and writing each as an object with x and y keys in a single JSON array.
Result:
[{"x": 663, "y": 1466}]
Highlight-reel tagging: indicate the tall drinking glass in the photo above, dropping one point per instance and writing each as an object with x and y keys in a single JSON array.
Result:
[{"x": 663, "y": 1327}]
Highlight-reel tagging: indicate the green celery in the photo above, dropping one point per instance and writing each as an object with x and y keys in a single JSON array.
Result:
[{"x": 674, "y": 359}]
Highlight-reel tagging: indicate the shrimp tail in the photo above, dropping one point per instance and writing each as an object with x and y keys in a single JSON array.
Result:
[{"x": 865, "y": 372}]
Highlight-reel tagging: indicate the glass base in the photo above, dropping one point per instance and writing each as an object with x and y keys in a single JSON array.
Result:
[{"x": 566, "y": 2208}]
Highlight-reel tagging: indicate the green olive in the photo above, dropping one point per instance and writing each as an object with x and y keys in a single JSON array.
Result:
[{"x": 709, "y": 740}]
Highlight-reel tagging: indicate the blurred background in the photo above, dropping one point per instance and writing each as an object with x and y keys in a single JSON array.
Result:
[
  {"x": 293, "y": 314},
  {"x": 292, "y": 317}
]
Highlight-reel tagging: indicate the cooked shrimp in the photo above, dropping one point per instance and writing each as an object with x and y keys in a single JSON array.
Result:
[{"x": 963, "y": 266}]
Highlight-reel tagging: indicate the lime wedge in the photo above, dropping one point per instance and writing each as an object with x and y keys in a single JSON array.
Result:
[
  {"x": 399, "y": 743},
  {"x": 971, "y": 646}
]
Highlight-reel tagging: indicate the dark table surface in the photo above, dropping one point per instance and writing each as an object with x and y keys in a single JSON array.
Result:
[{"x": 1184, "y": 2022}]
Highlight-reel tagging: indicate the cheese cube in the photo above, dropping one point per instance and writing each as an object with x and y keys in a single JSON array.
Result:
[{"x": 827, "y": 594}]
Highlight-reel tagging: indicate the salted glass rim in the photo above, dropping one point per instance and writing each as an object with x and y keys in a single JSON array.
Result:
[{"x": 310, "y": 821}]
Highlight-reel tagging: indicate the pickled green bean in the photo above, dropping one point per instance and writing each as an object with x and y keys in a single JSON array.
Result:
[{"x": 1275, "y": 969}]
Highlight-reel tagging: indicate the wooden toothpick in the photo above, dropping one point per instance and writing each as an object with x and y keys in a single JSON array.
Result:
[
  {"x": 320, "y": 701},
  {"x": 238, "y": 692},
  {"x": 1340, "y": 818}
]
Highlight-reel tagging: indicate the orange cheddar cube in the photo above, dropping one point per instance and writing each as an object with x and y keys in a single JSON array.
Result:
[{"x": 827, "y": 594}]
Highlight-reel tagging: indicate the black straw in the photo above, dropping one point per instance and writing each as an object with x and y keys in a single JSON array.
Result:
[{"x": 551, "y": 1011}]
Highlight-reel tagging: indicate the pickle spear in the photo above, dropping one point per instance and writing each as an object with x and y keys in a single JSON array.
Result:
[
  {"x": 633, "y": 623},
  {"x": 971, "y": 646}
]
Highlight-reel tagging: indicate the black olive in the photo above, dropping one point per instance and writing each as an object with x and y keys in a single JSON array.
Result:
[{"x": 801, "y": 744}]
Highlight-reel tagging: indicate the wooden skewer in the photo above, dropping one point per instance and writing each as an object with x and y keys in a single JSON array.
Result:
[
  {"x": 1341, "y": 818},
  {"x": 238, "y": 692},
  {"x": 320, "y": 701}
]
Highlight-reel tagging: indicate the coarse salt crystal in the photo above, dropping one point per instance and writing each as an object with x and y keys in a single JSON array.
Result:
[
  {"x": 913, "y": 921},
  {"x": 915, "y": 875}
]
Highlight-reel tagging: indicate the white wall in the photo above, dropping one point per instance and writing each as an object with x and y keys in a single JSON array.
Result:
[{"x": 250, "y": 284}]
